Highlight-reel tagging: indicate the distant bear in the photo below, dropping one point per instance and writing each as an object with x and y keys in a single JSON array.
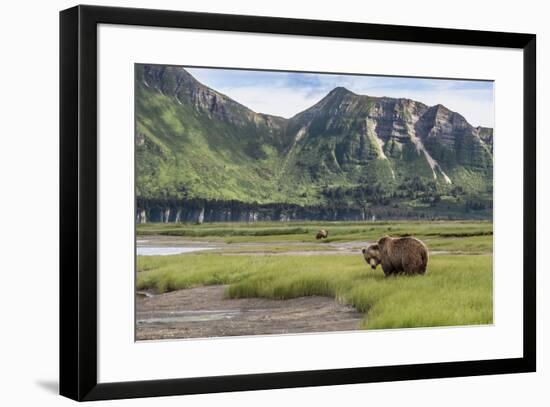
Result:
[
  {"x": 405, "y": 255},
  {"x": 322, "y": 234}
]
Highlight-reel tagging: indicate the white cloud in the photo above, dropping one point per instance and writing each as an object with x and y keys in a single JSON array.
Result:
[{"x": 278, "y": 101}]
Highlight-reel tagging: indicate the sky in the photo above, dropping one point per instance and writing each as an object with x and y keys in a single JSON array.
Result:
[{"x": 288, "y": 93}]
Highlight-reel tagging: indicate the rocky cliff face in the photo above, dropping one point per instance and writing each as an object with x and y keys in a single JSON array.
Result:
[
  {"x": 348, "y": 152},
  {"x": 345, "y": 130}
]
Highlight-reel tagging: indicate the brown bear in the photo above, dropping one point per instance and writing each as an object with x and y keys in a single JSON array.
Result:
[
  {"x": 405, "y": 255},
  {"x": 322, "y": 234}
]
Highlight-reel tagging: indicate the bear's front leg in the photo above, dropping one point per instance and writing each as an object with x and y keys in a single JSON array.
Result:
[{"x": 388, "y": 269}]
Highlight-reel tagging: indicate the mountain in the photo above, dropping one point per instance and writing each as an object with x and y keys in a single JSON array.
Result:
[{"x": 201, "y": 154}]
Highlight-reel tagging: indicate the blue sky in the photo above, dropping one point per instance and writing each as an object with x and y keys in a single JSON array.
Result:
[{"x": 287, "y": 93}]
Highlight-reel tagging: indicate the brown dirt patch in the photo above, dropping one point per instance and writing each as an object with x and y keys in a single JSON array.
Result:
[{"x": 204, "y": 312}]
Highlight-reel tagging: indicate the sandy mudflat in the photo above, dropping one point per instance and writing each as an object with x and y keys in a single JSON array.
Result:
[{"x": 204, "y": 312}]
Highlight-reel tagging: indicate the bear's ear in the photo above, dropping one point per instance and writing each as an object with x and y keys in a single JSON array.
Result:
[
  {"x": 374, "y": 247},
  {"x": 383, "y": 240}
]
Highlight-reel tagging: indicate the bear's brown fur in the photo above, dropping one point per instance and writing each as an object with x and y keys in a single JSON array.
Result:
[
  {"x": 405, "y": 255},
  {"x": 322, "y": 234}
]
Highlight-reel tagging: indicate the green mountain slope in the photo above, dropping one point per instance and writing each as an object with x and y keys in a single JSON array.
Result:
[{"x": 194, "y": 142}]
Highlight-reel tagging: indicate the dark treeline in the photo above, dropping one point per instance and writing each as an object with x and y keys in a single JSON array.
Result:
[{"x": 200, "y": 210}]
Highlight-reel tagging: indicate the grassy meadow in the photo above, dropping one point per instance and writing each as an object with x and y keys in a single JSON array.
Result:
[{"x": 457, "y": 290}]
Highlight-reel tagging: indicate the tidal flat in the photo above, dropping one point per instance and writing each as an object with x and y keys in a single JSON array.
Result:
[{"x": 232, "y": 279}]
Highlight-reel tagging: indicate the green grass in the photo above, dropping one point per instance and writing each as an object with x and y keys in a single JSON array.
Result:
[
  {"x": 446, "y": 233},
  {"x": 469, "y": 244},
  {"x": 277, "y": 248},
  {"x": 456, "y": 291}
]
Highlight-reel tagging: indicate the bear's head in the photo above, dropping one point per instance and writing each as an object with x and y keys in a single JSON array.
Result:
[{"x": 372, "y": 255}]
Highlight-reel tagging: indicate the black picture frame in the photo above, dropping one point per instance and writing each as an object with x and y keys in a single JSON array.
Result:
[{"x": 78, "y": 201}]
